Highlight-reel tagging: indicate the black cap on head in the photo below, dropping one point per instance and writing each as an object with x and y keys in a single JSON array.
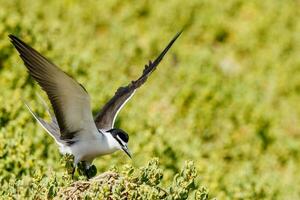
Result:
[
  {"x": 121, "y": 137},
  {"x": 118, "y": 132}
]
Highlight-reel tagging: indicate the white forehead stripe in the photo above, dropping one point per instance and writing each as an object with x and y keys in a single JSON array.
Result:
[{"x": 123, "y": 143}]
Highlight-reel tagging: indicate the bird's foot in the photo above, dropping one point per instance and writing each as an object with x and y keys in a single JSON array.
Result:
[
  {"x": 73, "y": 172},
  {"x": 88, "y": 171},
  {"x": 91, "y": 171}
]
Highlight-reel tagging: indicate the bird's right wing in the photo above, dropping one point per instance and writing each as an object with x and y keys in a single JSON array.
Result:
[{"x": 106, "y": 117}]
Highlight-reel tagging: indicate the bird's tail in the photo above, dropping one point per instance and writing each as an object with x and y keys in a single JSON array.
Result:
[{"x": 52, "y": 128}]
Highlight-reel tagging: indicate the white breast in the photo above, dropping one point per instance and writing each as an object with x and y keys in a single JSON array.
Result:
[{"x": 88, "y": 148}]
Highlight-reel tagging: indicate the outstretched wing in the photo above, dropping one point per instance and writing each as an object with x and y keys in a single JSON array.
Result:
[
  {"x": 70, "y": 101},
  {"x": 106, "y": 117}
]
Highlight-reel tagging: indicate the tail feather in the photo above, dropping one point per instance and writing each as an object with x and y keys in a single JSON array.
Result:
[
  {"x": 42, "y": 101},
  {"x": 52, "y": 128}
]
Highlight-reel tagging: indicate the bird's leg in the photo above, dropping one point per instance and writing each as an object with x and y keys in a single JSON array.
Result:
[
  {"x": 86, "y": 169},
  {"x": 89, "y": 170},
  {"x": 73, "y": 172}
]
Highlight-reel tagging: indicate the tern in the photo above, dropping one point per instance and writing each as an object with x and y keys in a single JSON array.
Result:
[{"x": 72, "y": 126}]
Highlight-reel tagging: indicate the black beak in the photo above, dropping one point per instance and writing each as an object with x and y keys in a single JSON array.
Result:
[{"x": 126, "y": 150}]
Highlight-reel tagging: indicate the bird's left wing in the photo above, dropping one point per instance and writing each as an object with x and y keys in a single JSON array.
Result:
[
  {"x": 106, "y": 117},
  {"x": 70, "y": 101}
]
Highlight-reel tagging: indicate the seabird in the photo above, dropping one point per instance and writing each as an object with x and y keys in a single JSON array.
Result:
[{"x": 72, "y": 126}]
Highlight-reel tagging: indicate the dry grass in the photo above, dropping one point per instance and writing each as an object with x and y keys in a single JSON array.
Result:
[{"x": 77, "y": 189}]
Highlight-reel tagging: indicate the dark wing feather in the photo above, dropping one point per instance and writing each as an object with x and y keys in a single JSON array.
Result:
[
  {"x": 106, "y": 117},
  {"x": 70, "y": 102}
]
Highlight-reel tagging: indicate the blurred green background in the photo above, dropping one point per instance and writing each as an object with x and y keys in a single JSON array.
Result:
[{"x": 226, "y": 96}]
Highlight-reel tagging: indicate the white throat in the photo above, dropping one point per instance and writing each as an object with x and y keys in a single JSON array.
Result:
[
  {"x": 89, "y": 148},
  {"x": 111, "y": 141}
]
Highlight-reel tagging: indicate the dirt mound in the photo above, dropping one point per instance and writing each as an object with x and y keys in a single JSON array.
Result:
[{"x": 77, "y": 189}]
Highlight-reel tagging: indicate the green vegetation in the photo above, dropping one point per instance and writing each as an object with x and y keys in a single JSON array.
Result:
[
  {"x": 224, "y": 103},
  {"x": 135, "y": 185}
]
